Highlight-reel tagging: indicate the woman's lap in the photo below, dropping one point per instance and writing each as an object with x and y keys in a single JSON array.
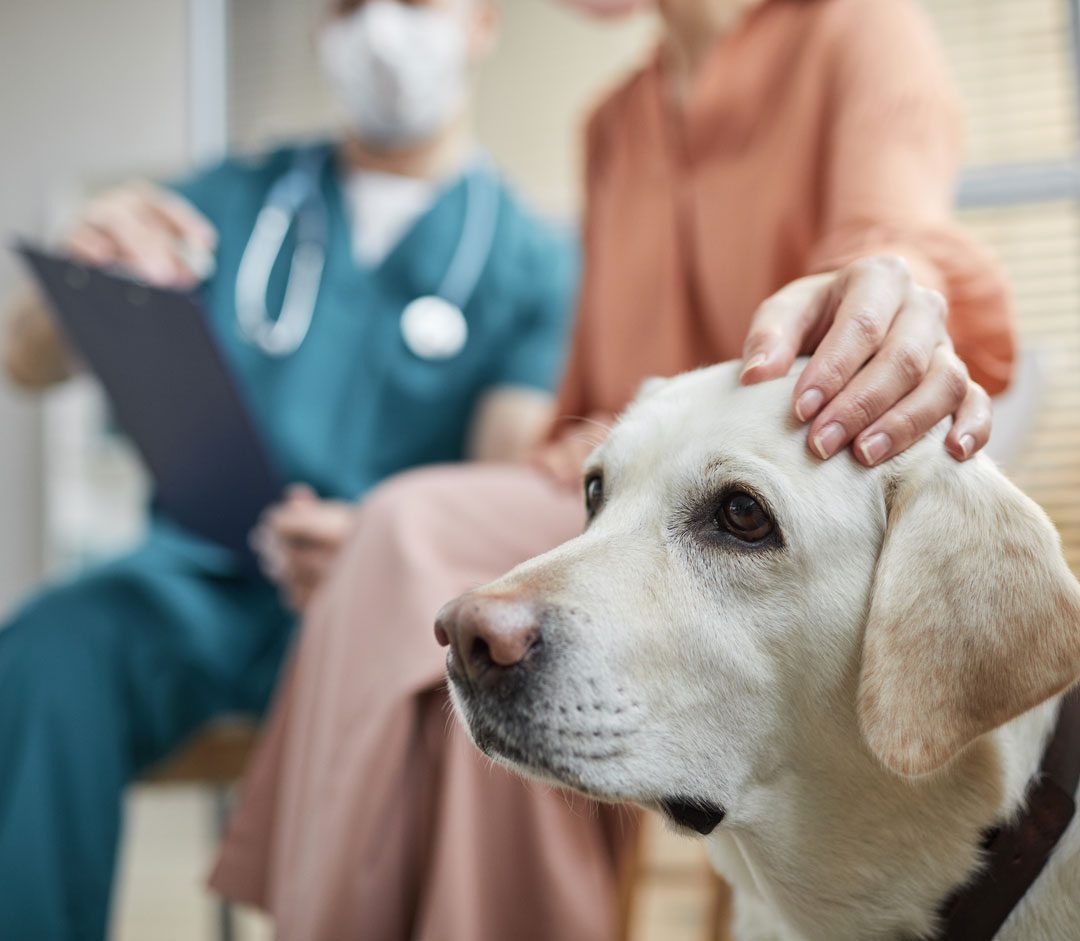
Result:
[{"x": 327, "y": 811}]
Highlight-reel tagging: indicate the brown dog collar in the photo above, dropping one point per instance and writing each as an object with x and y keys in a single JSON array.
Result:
[{"x": 1017, "y": 853}]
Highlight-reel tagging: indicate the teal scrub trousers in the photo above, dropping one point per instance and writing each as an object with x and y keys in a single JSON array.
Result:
[{"x": 100, "y": 678}]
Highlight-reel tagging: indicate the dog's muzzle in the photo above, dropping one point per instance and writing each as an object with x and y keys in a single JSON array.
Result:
[
  {"x": 504, "y": 666},
  {"x": 504, "y": 660},
  {"x": 492, "y": 638}
]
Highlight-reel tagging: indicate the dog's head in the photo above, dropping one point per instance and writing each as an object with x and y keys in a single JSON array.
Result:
[{"x": 732, "y": 595}]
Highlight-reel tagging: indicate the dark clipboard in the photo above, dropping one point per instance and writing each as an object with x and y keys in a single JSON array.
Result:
[{"x": 171, "y": 392}]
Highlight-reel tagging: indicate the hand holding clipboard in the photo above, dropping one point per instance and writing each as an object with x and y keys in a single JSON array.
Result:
[{"x": 172, "y": 393}]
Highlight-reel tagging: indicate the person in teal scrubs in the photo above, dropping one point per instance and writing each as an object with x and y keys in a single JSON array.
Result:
[{"x": 105, "y": 674}]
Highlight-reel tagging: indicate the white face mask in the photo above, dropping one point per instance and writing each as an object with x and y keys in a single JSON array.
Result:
[{"x": 400, "y": 71}]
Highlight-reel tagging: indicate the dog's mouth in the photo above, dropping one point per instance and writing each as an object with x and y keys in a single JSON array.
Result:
[
  {"x": 695, "y": 814},
  {"x": 698, "y": 815},
  {"x": 514, "y": 743},
  {"x": 510, "y": 733},
  {"x": 520, "y": 727}
]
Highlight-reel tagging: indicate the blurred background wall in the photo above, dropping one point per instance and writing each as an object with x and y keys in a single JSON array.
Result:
[{"x": 85, "y": 89}]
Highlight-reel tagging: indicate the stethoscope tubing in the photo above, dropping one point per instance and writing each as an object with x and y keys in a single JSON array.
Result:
[{"x": 297, "y": 196}]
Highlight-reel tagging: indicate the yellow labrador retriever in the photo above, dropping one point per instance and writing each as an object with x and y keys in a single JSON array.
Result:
[{"x": 847, "y": 678}]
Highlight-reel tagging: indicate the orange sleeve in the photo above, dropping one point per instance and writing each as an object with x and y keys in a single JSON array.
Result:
[
  {"x": 893, "y": 152},
  {"x": 573, "y": 402}
]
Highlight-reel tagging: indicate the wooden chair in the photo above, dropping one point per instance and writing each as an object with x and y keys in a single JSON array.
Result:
[
  {"x": 670, "y": 892},
  {"x": 214, "y": 759},
  {"x": 662, "y": 870}
]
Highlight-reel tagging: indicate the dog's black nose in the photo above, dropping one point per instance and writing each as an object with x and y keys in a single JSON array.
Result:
[{"x": 488, "y": 634}]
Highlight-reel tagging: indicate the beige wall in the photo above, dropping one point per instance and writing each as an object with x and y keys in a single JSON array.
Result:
[
  {"x": 550, "y": 68},
  {"x": 550, "y": 65},
  {"x": 87, "y": 89}
]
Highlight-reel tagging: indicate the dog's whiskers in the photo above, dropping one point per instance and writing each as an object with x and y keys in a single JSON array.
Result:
[
  {"x": 591, "y": 440},
  {"x": 586, "y": 420}
]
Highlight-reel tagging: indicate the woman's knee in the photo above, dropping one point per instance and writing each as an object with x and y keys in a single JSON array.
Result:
[
  {"x": 487, "y": 516},
  {"x": 413, "y": 507},
  {"x": 444, "y": 498},
  {"x": 419, "y": 485}
]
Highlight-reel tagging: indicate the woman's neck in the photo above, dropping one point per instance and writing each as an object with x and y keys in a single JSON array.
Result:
[
  {"x": 691, "y": 29},
  {"x": 431, "y": 159}
]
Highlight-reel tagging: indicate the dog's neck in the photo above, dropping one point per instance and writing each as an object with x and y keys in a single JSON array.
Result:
[{"x": 846, "y": 850}]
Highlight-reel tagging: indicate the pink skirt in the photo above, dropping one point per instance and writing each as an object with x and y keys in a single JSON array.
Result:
[{"x": 366, "y": 813}]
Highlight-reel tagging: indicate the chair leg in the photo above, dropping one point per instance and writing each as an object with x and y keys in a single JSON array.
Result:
[
  {"x": 629, "y": 876},
  {"x": 720, "y": 909},
  {"x": 222, "y": 805}
]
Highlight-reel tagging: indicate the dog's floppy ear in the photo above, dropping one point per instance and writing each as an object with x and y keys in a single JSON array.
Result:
[{"x": 974, "y": 615}]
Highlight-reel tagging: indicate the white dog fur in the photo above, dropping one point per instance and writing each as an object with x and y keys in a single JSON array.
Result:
[{"x": 863, "y": 697}]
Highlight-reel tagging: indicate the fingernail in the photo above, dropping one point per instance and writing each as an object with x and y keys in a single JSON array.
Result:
[
  {"x": 875, "y": 447},
  {"x": 828, "y": 440},
  {"x": 198, "y": 261},
  {"x": 967, "y": 445},
  {"x": 757, "y": 360},
  {"x": 809, "y": 404}
]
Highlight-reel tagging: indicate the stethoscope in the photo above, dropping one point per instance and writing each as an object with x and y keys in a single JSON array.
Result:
[{"x": 433, "y": 326}]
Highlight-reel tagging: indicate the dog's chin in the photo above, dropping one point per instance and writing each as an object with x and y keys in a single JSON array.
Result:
[
  {"x": 540, "y": 766},
  {"x": 522, "y": 748},
  {"x": 694, "y": 814}
]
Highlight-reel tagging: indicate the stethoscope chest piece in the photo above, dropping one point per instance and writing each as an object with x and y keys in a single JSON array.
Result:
[{"x": 433, "y": 328}]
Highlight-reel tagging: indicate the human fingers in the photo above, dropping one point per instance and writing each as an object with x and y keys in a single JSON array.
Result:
[
  {"x": 868, "y": 297},
  {"x": 971, "y": 425},
  {"x": 179, "y": 216},
  {"x": 898, "y": 367},
  {"x": 91, "y": 246},
  {"x": 312, "y": 521},
  {"x": 302, "y": 492},
  {"x": 310, "y": 561},
  {"x": 138, "y": 243},
  {"x": 152, "y": 232},
  {"x": 780, "y": 327},
  {"x": 194, "y": 239},
  {"x": 268, "y": 552},
  {"x": 938, "y": 396}
]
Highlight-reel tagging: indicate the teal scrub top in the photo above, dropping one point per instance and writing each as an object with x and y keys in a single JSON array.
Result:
[{"x": 354, "y": 404}]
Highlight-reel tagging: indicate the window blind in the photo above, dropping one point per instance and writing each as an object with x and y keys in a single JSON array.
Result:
[
  {"x": 1016, "y": 67},
  {"x": 1014, "y": 64}
]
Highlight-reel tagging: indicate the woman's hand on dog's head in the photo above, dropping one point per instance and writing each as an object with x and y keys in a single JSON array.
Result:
[{"x": 883, "y": 370}]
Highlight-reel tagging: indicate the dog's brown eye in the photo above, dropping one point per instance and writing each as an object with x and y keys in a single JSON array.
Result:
[
  {"x": 594, "y": 494},
  {"x": 743, "y": 517}
]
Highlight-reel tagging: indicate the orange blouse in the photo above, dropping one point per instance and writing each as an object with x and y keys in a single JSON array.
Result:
[{"x": 820, "y": 131}]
